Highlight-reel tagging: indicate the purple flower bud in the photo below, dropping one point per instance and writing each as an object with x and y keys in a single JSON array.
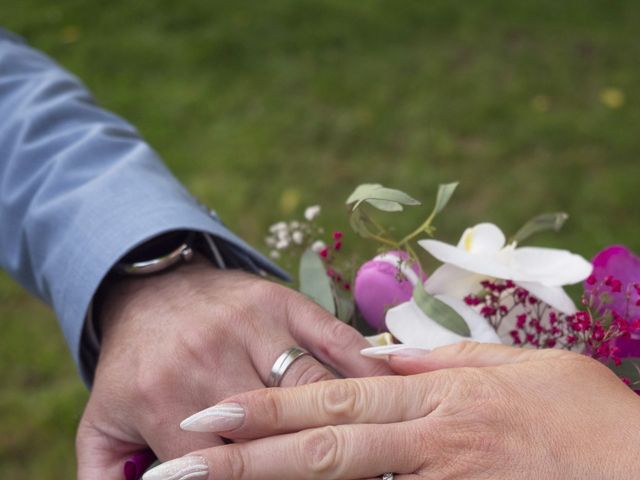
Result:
[
  {"x": 382, "y": 283},
  {"x": 137, "y": 463}
]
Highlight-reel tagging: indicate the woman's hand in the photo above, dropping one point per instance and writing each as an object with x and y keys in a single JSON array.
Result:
[{"x": 480, "y": 411}]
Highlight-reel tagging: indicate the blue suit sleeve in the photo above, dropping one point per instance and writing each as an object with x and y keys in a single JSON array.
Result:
[{"x": 79, "y": 188}]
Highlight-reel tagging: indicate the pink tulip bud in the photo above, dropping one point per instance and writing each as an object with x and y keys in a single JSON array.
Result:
[{"x": 382, "y": 283}]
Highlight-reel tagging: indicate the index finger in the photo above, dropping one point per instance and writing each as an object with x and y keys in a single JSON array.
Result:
[
  {"x": 268, "y": 412},
  {"x": 331, "y": 341}
]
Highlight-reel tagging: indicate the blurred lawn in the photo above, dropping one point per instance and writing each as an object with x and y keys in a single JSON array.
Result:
[{"x": 532, "y": 105}]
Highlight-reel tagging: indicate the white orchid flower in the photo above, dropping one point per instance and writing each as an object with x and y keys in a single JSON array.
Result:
[
  {"x": 482, "y": 253},
  {"x": 411, "y": 326}
]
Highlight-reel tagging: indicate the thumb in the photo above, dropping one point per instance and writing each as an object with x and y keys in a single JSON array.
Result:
[{"x": 464, "y": 354}]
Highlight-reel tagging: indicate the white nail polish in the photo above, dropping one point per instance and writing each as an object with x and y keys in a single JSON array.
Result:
[
  {"x": 219, "y": 418},
  {"x": 400, "y": 350},
  {"x": 186, "y": 468}
]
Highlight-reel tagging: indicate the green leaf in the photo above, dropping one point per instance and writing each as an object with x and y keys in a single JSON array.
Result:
[
  {"x": 546, "y": 221},
  {"x": 445, "y": 191},
  {"x": 440, "y": 312},
  {"x": 382, "y": 198},
  {"x": 314, "y": 281},
  {"x": 361, "y": 224},
  {"x": 629, "y": 368},
  {"x": 384, "y": 205},
  {"x": 345, "y": 306}
]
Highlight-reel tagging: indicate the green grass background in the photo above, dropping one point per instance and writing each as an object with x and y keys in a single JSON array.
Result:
[{"x": 262, "y": 108}]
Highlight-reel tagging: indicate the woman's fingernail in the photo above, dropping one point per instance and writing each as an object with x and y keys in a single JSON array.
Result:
[
  {"x": 186, "y": 468},
  {"x": 220, "y": 418},
  {"x": 399, "y": 350}
]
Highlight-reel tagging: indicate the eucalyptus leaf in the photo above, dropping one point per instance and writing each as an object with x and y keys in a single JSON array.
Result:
[
  {"x": 384, "y": 205},
  {"x": 314, "y": 281},
  {"x": 546, "y": 221},
  {"x": 440, "y": 312},
  {"x": 344, "y": 306},
  {"x": 445, "y": 191},
  {"x": 629, "y": 367},
  {"x": 361, "y": 224},
  {"x": 382, "y": 198}
]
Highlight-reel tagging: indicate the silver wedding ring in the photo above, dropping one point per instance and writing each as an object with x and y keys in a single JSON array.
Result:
[
  {"x": 282, "y": 364},
  {"x": 387, "y": 476}
]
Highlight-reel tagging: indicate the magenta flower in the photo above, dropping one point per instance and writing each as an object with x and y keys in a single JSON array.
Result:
[
  {"x": 616, "y": 278},
  {"x": 382, "y": 283},
  {"x": 137, "y": 464}
]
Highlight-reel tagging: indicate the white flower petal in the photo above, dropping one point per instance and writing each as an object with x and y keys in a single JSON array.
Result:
[
  {"x": 549, "y": 266},
  {"x": 411, "y": 326},
  {"x": 276, "y": 227},
  {"x": 453, "y": 281},
  {"x": 318, "y": 246},
  {"x": 408, "y": 323},
  {"x": 297, "y": 237},
  {"x": 312, "y": 212},
  {"x": 482, "y": 239},
  {"x": 555, "y": 297},
  {"x": 487, "y": 264}
]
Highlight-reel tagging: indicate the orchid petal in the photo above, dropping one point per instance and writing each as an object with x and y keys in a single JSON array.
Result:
[
  {"x": 453, "y": 281},
  {"x": 555, "y": 297},
  {"x": 549, "y": 266},
  {"x": 487, "y": 265},
  {"x": 411, "y": 326},
  {"x": 482, "y": 239}
]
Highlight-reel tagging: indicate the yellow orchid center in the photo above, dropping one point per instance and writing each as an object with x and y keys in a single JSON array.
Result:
[{"x": 468, "y": 240}]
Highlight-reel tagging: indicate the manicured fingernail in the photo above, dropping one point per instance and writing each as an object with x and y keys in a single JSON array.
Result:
[
  {"x": 399, "y": 350},
  {"x": 186, "y": 468},
  {"x": 220, "y": 418}
]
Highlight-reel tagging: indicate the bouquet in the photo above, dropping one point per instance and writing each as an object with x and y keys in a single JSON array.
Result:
[{"x": 488, "y": 288}]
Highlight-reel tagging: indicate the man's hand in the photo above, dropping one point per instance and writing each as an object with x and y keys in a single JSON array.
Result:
[
  {"x": 180, "y": 341},
  {"x": 481, "y": 411}
]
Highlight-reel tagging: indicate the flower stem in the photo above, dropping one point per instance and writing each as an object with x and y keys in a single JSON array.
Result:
[{"x": 425, "y": 227}]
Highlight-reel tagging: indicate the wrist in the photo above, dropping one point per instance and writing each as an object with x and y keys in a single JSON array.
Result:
[{"x": 125, "y": 298}]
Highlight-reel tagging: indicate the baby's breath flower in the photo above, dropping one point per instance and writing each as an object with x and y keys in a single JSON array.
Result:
[
  {"x": 297, "y": 237},
  {"x": 270, "y": 241},
  {"x": 318, "y": 246},
  {"x": 277, "y": 227},
  {"x": 282, "y": 244},
  {"x": 312, "y": 212}
]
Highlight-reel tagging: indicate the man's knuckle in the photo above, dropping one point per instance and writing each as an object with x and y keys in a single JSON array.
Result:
[
  {"x": 341, "y": 337},
  {"x": 321, "y": 451},
  {"x": 195, "y": 343},
  {"x": 149, "y": 386},
  {"x": 342, "y": 399},
  {"x": 266, "y": 291}
]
